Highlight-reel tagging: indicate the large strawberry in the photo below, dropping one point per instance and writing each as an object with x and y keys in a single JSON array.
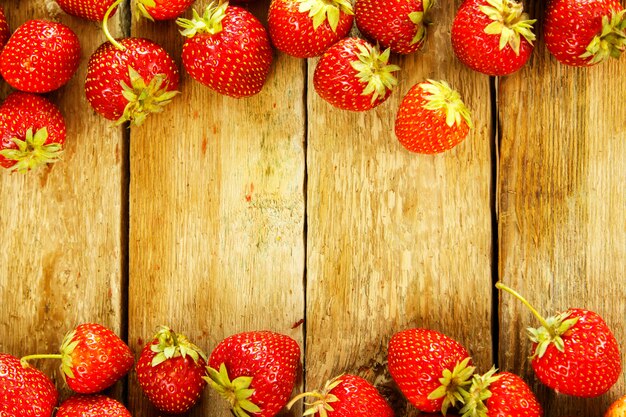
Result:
[
  {"x": 354, "y": 75},
  {"x": 574, "y": 352},
  {"x": 227, "y": 49},
  {"x": 5, "y": 33},
  {"x": 255, "y": 372},
  {"x": 306, "y": 28},
  {"x": 94, "y": 10},
  {"x": 32, "y": 132},
  {"x": 24, "y": 391},
  {"x": 162, "y": 9},
  {"x": 91, "y": 406},
  {"x": 396, "y": 24},
  {"x": 432, "y": 118},
  {"x": 431, "y": 369},
  {"x": 170, "y": 371},
  {"x": 40, "y": 56},
  {"x": 584, "y": 32},
  {"x": 493, "y": 37}
]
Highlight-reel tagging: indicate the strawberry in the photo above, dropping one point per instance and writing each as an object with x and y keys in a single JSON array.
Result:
[
  {"x": 353, "y": 75},
  {"x": 255, "y": 372},
  {"x": 346, "y": 396},
  {"x": 306, "y": 28},
  {"x": 40, "y": 56},
  {"x": 584, "y": 32},
  {"x": 24, "y": 391},
  {"x": 617, "y": 408},
  {"x": 430, "y": 368},
  {"x": 227, "y": 49},
  {"x": 5, "y": 33},
  {"x": 396, "y": 24},
  {"x": 162, "y": 9},
  {"x": 432, "y": 118},
  {"x": 493, "y": 37},
  {"x": 500, "y": 394},
  {"x": 87, "y": 9},
  {"x": 574, "y": 352},
  {"x": 32, "y": 132},
  {"x": 170, "y": 370},
  {"x": 92, "y": 406}
]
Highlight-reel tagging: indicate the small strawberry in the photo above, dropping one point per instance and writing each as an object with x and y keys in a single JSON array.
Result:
[
  {"x": 574, "y": 352},
  {"x": 170, "y": 371},
  {"x": 162, "y": 9},
  {"x": 40, "y": 56},
  {"x": 617, "y": 408},
  {"x": 346, "y": 396},
  {"x": 353, "y": 75},
  {"x": 24, "y": 391},
  {"x": 32, "y": 132},
  {"x": 493, "y": 37},
  {"x": 430, "y": 368},
  {"x": 584, "y": 32},
  {"x": 432, "y": 118},
  {"x": 91, "y": 406},
  {"x": 306, "y": 28},
  {"x": 396, "y": 24},
  {"x": 5, "y": 33},
  {"x": 227, "y": 49},
  {"x": 87, "y": 9},
  {"x": 255, "y": 372}
]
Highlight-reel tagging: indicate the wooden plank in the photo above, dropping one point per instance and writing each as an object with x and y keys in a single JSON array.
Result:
[
  {"x": 217, "y": 212},
  {"x": 562, "y": 201},
  {"x": 62, "y": 258}
]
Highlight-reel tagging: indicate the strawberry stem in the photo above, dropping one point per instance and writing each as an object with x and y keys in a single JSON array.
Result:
[
  {"x": 517, "y": 295},
  {"x": 105, "y": 26},
  {"x": 24, "y": 360}
]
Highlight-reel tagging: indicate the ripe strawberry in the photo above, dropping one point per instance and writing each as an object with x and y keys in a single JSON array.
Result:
[
  {"x": 170, "y": 370},
  {"x": 306, "y": 28},
  {"x": 40, "y": 56},
  {"x": 92, "y": 406},
  {"x": 574, "y": 352},
  {"x": 5, "y": 33},
  {"x": 493, "y": 37},
  {"x": 127, "y": 79},
  {"x": 346, "y": 396},
  {"x": 353, "y": 75},
  {"x": 584, "y": 32},
  {"x": 87, "y": 9},
  {"x": 430, "y": 368},
  {"x": 32, "y": 132},
  {"x": 432, "y": 118},
  {"x": 617, "y": 408},
  {"x": 395, "y": 24},
  {"x": 255, "y": 372},
  {"x": 24, "y": 391},
  {"x": 227, "y": 49},
  {"x": 500, "y": 394},
  {"x": 162, "y": 9}
]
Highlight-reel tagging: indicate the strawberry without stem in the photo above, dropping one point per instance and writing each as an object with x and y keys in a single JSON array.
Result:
[
  {"x": 87, "y": 9},
  {"x": 162, "y": 9},
  {"x": 617, "y": 408},
  {"x": 92, "y": 406},
  {"x": 5, "y": 33}
]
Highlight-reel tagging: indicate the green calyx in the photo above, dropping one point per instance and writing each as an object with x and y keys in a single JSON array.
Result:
[
  {"x": 474, "y": 399},
  {"x": 418, "y": 18},
  {"x": 142, "y": 8},
  {"x": 143, "y": 98},
  {"x": 611, "y": 41},
  {"x": 453, "y": 383},
  {"x": 373, "y": 68},
  {"x": 32, "y": 151},
  {"x": 210, "y": 22},
  {"x": 509, "y": 22},
  {"x": 237, "y": 392},
  {"x": 441, "y": 97},
  {"x": 322, "y": 400},
  {"x": 325, "y": 10},
  {"x": 171, "y": 345},
  {"x": 67, "y": 348}
]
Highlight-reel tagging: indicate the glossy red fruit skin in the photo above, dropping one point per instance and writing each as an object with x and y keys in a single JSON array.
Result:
[
  {"x": 5, "y": 33},
  {"x": 358, "y": 397},
  {"x": 93, "y": 10},
  {"x": 617, "y": 408},
  {"x": 591, "y": 363},
  {"x": 168, "y": 9},
  {"x": 108, "y": 66},
  {"x": 92, "y": 406},
  {"x": 511, "y": 396},
  {"x": 25, "y": 392},
  {"x": 40, "y": 56}
]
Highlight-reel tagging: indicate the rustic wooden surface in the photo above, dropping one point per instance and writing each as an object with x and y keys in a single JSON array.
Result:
[{"x": 222, "y": 215}]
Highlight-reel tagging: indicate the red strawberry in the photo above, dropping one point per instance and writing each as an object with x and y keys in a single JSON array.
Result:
[
  {"x": 91, "y": 406},
  {"x": 306, "y": 28},
  {"x": 40, "y": 56},
  {"x": 617, "y": 408},
  {"x": 353, "y": 75},
  {"x": 430, "y": 368},
  {"x": 24, "y": 391},
  {"x": 346, "y": 396},
  {"x": 395, "y": 24},
  {"x": 432, "y": 118},
  {"x": 227, "y": 49},
  {"x": 127, "y": 79},
  {"x": 493, "y": 37},
  {"x": 162, "y": 9},
  {"x": 255, "y": 372},
  {"x": 500, "y": 394},
  {"x": 170, "y": 371},
  {"x": 584, "y": 32},
  {"x": 32, "y": 132},
  {"x": 5, "y": 33},
  {"x": 87, "y": 9},
  {"x": 574, "y": 352}
]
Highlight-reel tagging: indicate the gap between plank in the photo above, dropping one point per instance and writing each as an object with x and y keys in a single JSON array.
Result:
[{"x": 495, "y": 155}]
